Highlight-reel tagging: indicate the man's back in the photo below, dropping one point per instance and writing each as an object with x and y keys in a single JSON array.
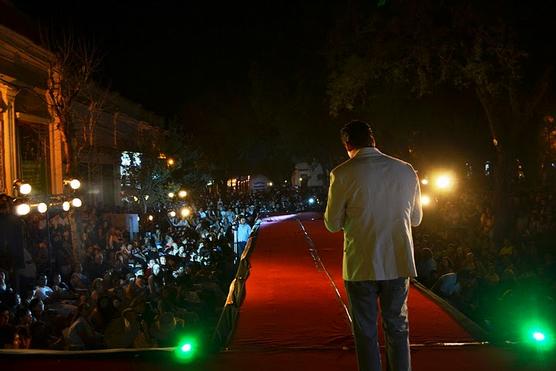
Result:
[{"x": 373, "y": 198}]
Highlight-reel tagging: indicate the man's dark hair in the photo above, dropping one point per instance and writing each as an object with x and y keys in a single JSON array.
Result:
[{"x": 358, "y": 134}]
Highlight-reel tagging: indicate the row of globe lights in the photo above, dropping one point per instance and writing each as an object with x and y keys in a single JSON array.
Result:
[{"x": 25, "y": 189}]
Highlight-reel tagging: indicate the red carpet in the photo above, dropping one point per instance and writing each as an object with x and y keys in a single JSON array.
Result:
[{"x": 292, "y": 318}]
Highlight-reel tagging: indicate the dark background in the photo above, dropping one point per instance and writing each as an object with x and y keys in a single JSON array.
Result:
[{"x": 248, "y": 80}]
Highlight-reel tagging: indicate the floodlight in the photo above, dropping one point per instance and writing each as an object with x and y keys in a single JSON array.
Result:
[
  {"x": 76, "y": 202},
  {"x": 66, "y": 206},
  {"x": 172, "y": 213},
  {"x": 182, "y": 194}
]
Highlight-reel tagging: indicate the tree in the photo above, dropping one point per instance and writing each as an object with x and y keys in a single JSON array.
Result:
[
  {"x": 496, "y": 50},
  {"x": 70, "y": 73},
  {"x": 149, "y": 175}
]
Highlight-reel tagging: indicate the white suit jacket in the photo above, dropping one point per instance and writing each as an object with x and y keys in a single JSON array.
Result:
[{"x": 375, "y": 199}]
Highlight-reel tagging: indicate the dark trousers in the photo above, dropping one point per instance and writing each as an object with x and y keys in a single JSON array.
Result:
[
  {"x": 240, "y": 247},
  {"x": 364, "y": 297}
]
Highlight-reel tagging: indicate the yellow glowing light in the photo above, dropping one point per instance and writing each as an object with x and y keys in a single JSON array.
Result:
[
  {"x": 444, "y": 181},
  {"x": 172, "y": 214},
  {"x": 425, "y": 200},
  {"x": 25, "y": 188},
  {"x": 42, "y": 208},
  {"x": 22, "y": 209},
  {"x": 185, "y": 212},
  {"x": 171, "y": 194},
  {"x": 151, "y": 218},
  {"x": 171, "y": 162},
  {"x": 182, "y": 193},
  {"x": 66, "y": 206},
  {"x": 425, "y": 181},
  {"x": 76, "y": 202},
  {"x": 270, "y": 184}
]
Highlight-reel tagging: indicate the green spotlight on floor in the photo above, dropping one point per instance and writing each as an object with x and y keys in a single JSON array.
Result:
[
  {"x": 539, "y": 336},
  {"x": 186, "y": 349}
]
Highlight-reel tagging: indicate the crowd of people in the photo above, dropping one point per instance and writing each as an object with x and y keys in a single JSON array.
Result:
[
  {"x": 121, "y": 292},
  {"x": 493, "y": 282}
]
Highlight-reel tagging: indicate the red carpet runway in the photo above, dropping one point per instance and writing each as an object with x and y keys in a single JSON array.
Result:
[{"x": 294, "y": 315}]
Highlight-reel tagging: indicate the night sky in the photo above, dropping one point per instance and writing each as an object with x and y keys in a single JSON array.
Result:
[
  {"x": 249, "y": 80},
  {"x": 163, "y": 54}
]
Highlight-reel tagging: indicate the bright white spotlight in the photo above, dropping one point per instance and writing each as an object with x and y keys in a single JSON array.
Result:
[
  {"x": 66, "y": 206},
  {"x": 42, "y": 208},
  {"x": 171, "y": 194},
  {"x": 425, "y": 200},
  {"x": 75, "y": 184},
  {"x": 25, "y": 188},
  {"x": 182, "y": 194},
  {"x": 185, "y": 212},
  {"x": 76, "y": 202},
  {"x": 172, "y": 214},
  {"x": 444, "y": 182},
  {"x": 151, "y": 218},
  {"x": 22, "y": 209}
]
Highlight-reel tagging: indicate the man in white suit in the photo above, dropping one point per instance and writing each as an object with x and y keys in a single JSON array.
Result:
[{"x": 376, "y": 200}]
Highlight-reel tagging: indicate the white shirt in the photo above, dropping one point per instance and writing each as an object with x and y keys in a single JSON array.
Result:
[{"x": 375, "y": 199}]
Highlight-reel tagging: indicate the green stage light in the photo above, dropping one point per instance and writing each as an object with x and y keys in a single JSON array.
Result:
[
  {"x": 186, "y": 350},
  {"x": 187, "y": 347},
  {"x": 539, "y": 336}
]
